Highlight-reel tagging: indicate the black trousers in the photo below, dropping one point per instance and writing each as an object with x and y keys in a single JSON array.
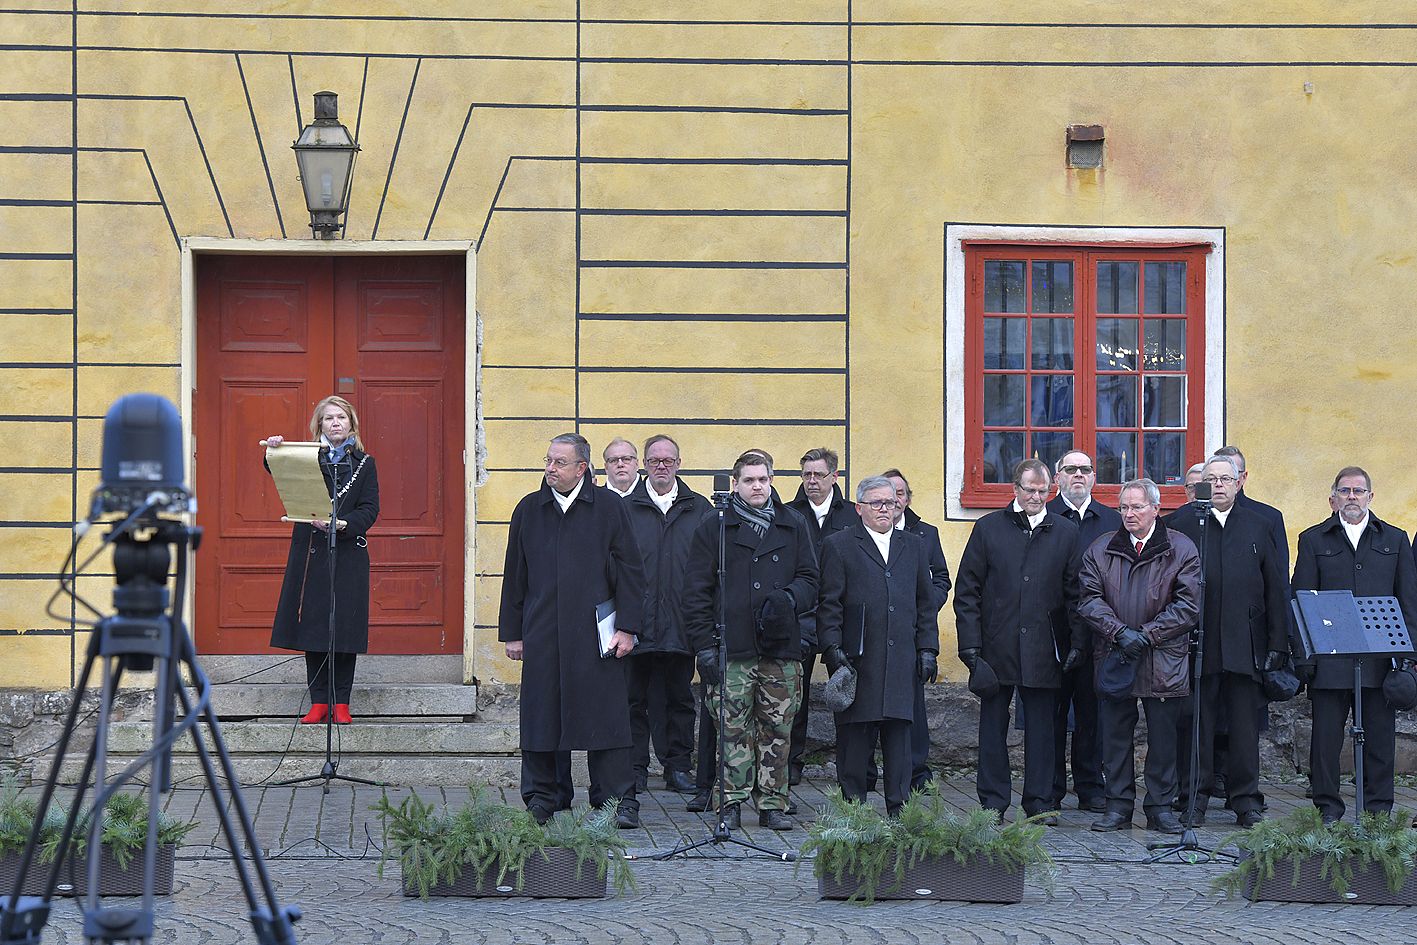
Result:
[
  {"x": 546, "y": 778},
  {"x": 318, "y": 672},
  {"x": 798, "y": 747},
  {"x": 1118, "y": 718},
  {"x": 920, "y": 773},
  {"x": 706, "y": 769},
  {"x": 662, "y": 709},
  {"x": 1077, "y": 693},
  {"x": 1239, "y": 700},
  {"x": 855, "y": 745},
  {"x": 995, "y": 781},
  {"x": 1331, "y": 711}
]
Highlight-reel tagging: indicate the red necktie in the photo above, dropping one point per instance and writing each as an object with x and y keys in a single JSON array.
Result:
[{"x": 1139, "y": 546}]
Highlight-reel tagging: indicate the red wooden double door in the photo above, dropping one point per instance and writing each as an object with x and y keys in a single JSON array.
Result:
[{"x": 274, "y": 335}]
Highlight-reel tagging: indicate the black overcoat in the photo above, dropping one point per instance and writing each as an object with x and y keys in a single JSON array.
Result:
[
  {"x": 559, "y": 566},
  {"x": 753, "y": 569},
  {"x": 841, "y": 515},
  {"x": 1010, "y": 583},
  {"x": 1381, "y": 567},
  {"x": 1274, "y": 519},
  {"x": 1097, "y": 520},
  {"x": 939, "y": 569},
  {"x": 1246, "y": 590},
  {"x": 881, "y": 613},
  {"x": 302, "y": 620},
  {"x": 664, "y": 542}
]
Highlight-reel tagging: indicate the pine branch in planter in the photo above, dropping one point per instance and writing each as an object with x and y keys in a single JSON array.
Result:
[{"x": 591, "y": 834}]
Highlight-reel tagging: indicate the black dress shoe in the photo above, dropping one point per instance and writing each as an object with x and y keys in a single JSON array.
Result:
[
  {"x": 1095, "y": 805},
  {"x": 679, "y": 781},
  {"x": 1331, "y": 818},
  {"x": 627, "y": 818},
  {"x": 1113, "y": 820},
  {"x": 699, "y": 802},
  {"x": 774, "y": 820},
  {"x": 733, "y": 816},
  {"x": 540, "y": 814},
  {"x": 1248, "y": 818},
  {"x": 1193, "y": 819},
  {"x": 1164, "y": 822}
]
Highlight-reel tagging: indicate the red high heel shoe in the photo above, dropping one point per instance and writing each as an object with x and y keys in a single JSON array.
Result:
[
  {"x": 342, "y": 716},
  {"x": 316, "y": 715}
]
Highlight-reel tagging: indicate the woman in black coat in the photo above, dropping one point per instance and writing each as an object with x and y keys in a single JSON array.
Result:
[{"x": 302, "y": 619}]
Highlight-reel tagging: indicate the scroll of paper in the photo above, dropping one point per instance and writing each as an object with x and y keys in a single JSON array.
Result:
[{"x": 300, "y": 482}]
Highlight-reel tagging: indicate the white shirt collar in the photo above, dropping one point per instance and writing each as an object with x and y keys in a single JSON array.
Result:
[
  {"x": 1355, "y": 532},
  {"x": 821, "y": 510},
  {"x": 900, "y": 524},
  {"x": 1081, "y": 510},
  {"x": 666, "y": 500},
  {"x": 564, "y": 501},
  {"x": 1221, "y": 516},
  {"x": 626, "y": 493},
  {"x": 1033, "y": 520},
  {"x": 883, "y": 542},
  {"x": 1143, "y": 539}
]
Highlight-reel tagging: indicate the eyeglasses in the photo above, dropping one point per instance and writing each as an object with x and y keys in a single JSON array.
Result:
[
  {"x": 662, "y": 463},
  {"x": 1033, "y": 492},
  {"x": 1219, "y": 480},
  {"x": 817, "y": 475},
  {"x": 558, "y": 463},
  {"x": 1355, "y": 492},
  {"x": 882, "y": 505},
  {"x": 619, "y": 459},
  {"x": 1132, "y": 508},
  {"x": 1074, "y": 470}
]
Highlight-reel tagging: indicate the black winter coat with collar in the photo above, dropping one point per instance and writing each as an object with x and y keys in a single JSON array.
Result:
[
  {"x": 664, "y": 540},
  {"x": 841, "y": 515},
  {"x": 939, "y": 569},
  {"x": 1096, "y": 521}
]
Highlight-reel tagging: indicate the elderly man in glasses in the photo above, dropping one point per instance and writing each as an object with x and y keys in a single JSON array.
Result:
[
  {"x": 1019, "y": 568},
  {"x": 622, "y": 467}
]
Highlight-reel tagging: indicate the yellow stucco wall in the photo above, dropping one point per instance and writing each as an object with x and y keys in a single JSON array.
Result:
[{"x": 842, "y": 136}]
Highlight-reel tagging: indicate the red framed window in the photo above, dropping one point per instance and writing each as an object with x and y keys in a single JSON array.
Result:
[{"x": 1096, "y": 348}]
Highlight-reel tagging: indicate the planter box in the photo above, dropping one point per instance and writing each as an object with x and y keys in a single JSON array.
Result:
[
  {"x": 1368, "y": 888},
  {"x": 937, "y": 878},
  {"x": 113, "y": 881},
  {"x": 551, "y": 877}
]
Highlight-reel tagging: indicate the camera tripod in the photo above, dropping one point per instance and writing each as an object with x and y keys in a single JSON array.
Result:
[{"x": 144, "y": 635}]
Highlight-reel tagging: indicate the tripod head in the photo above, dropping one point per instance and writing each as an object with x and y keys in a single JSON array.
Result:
[
  {"x": 141, "y": 630},
  {"x": 722, "y": 491}
]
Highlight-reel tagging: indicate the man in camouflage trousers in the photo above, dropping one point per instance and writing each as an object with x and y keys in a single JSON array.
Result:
[{"x": 770, "y": 578}]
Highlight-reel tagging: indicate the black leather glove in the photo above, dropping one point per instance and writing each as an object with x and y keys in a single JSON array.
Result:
[
  {"x": 1071, "y": 661},
  {"x": 834, "y": 659},
  {"x": 1306, "y": 672},
  {"x": 1273, "y": 660},
  {"x": 927, "y": 669},
  {"x": 709, "y": 669},
  {"x": 777, "y": 619},
  {"x": 1131, "y": 642},
  {"x": 969, "y": 656}
]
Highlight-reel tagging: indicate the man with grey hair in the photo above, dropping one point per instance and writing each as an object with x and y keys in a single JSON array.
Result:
[
  {"x": 1246, "y": 628},
  {"x": 1140, "y": 596},
  {"x": 876, "y": 613},
  {"x": 1271, "y": 515},
  {"x": 1193, "y": 476},
  {"x": 571, "y": 560},
  {"x": 622, "y": 466}
]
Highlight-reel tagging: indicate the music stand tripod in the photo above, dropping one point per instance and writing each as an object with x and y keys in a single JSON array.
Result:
[
  {"x": 330, "y": 771},
  {"x": 1189, "y": 849},
  {"x": 1334, "y": 625},
  {"x": 722, "y": 833}
]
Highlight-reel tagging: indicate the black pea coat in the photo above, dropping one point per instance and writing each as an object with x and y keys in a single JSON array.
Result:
[
  {"x": 1010, "y": 583},
  {"x": 1274, "y": 519},
  {"x": 753, "y": 569},
  {"x": 841, "y": 515},
  {"x": 664, "y": 541},
  {"x": 1246, "y": 591},
  {"x": 939, "y": 570},
  {"x": 559, "y": 566},
  {"x": 302, "y": 620},
  {"x": 881, "y": 613},
  {"x": 1382, "y": 566},
  {"x": 1097, "y": 520}
]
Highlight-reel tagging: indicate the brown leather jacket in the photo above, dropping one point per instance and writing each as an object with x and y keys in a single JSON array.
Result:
[{"x": 1157, "y": 593}]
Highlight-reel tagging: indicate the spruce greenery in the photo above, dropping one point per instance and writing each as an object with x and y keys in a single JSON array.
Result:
[
  {"x": 435, "y": 847},
  {"x": 854, "y": 839},
  {"x": 1382, "y": 840}
]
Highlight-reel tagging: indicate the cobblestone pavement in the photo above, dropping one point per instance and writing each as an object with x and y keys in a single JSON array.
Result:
[{"x": 323, "y": 853}]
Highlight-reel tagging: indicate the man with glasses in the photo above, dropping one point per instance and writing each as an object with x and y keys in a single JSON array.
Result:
[
  {"x": 664, "y": 512},
  {"x": 571, "y": 558},
  {"x": 1246, "y": 623},
  {"x": 876, "y": 612},
  {"x": 819, "y": 501},
  {"x": 1076, "y": 696},
  {"x": 1019, "y": 568},
  {"x": 1193, "y": 476},
  {"x": 622, "y": 467},
  {"x": 1353, "y": 550},
  {"x": 1272, "y": 516}
]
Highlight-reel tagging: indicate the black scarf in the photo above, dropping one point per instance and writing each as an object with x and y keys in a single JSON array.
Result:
[{"x": 759, "y": 520}]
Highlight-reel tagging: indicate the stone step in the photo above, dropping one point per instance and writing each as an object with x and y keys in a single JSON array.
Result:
[
  {"x": 249, "y": 700},
  {"x": 263, "y": 769},
  {"x": 290, "y": 668},
  {"x": 380, "y": 737}
]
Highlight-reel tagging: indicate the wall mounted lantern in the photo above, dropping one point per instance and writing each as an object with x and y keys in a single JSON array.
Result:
[{"x": 325, "y": 154}]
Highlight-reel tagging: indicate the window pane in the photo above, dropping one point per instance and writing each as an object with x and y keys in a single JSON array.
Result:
[
  {"x": 1165, "y": 344},
  {"x": 1052, "y": 344},
  {"x": 1163, "y": 401},
  {"x": 1165, "y": 288},
  {"x": 1116, "y": 457},
  {"x": 1116, "y": 288},
  {"x": 1052, "y": 286},
  {"x": 1003, "y": 285},
  {"x": 1051, "y": 400},
  {"x": 1003, "y": 401},
  {"x": 1050, "y": 447},
  {"x": 1116, "y": 401},
  {"x": 1165, "y": 458},
  {"x": 1116, "y": 344},
  {"x": 1002, "y": 452},
  {"x": 1003, "y": 344}
]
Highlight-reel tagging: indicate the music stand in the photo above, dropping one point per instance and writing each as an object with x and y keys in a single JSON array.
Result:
[{"x": 1337, "y": 625}]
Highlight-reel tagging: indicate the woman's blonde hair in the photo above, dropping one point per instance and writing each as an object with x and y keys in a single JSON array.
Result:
[{"x": 334, "y": 400}]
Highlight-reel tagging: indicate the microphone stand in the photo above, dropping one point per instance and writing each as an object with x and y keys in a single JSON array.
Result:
[
  {"x": 330, "y": 771},
  {"x": 722, "y": 833},
  {"x": 1189, "y": 849}
]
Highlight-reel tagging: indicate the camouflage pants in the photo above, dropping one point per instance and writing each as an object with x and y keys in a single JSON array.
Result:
[{"x": 763, "y": 696}]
